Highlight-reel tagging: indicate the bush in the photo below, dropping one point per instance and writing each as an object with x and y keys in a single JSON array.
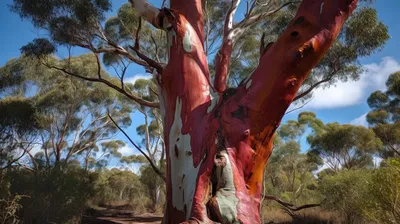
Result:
[
  {"x": 383, "y": 205},
  {"x": 365, "y": 195},
  {"x": 9, "y": 208},
  {"x": 116, "y": 188},
  {"x": 346, "y": 193},
  {"x": 56, "y": 195}
]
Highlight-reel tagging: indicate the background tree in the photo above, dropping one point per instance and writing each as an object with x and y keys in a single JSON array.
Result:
[
  {"x": 18, "y": 124},
  {"x": 71, "y": 115},
  {"x": 289, "y": 174},
  {"x": 385, "y": 115},
  {"x": 214, "y": 136},
  {"x": 341, "y": 146}
]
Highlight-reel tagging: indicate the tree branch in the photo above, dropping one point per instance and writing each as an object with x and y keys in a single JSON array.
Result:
[
  {"x": 146, "y": 10},
  {"x": 121, "y": 51},
  {"x": 288, "y": 205},
  {"x": 223, "y": 56},
  {"x": 155, "y": 168},
  {"x": 108, "y": 83},
  {"x": 240, "y": 28},
  {"x": 136, "y": 48},
  {"x": 272, "y": 87},
  {"x": 298, "y": 108},
  {"x": 312, "y": 87},
  {"x": 192, "y": 10}
]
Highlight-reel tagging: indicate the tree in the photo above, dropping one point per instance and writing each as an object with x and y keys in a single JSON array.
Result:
[
  {"x": 289, "y": 172},
  {"x": 341, "y": 146},
  {"x": 70, "y": 117},
  {"x": 18, "y": 127},
  {"x": 385, "y": 115},
  {"x": 217, "y": 139},
  {"x": 18, "y": 124},
  {"x": 154, "y": 186}
]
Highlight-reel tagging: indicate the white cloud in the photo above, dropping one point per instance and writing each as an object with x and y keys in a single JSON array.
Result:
[
  {"x": 377, "y": 74},
  {"x": 351, "y": 93},
  {"x": 127, "y": 150},
  {"x": 361, "y": 120},
  {"x": 136, "y": 77},
  {"x": 340, "y": 95}
]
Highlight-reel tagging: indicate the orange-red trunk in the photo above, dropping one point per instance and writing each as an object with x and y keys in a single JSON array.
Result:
[{"x": 218, "y": 140}]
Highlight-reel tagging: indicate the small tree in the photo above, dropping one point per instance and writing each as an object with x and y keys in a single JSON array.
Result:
[
  {"x": 71, "y": 116},
  {"x": 289, "y": 172},
  {"x": 385, "y": 115},
  {"x": 346, "y": 146}
]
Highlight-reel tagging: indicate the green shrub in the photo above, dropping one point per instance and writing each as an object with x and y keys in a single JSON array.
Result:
[
  {"x": 115, "y": 188},
  {"x": 346, "y": 193},
  {"x": 56, "y": 195},
  {"x": 365, "y": 195},
  {"x": 383, "y": 197}
]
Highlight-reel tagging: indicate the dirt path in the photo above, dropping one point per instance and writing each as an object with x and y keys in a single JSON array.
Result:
[
  {"x": 113, "y": 216},
  {"x": 145, "y": 219}
]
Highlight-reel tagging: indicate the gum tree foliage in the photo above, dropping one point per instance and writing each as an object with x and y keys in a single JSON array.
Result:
[
  {"x": 70, "y": 115},
  {"x": 202, "y": 118},
  {"x": 341, "y": 146},
  {"x": 385, "y": 115},
  {"x": 82, "y": 23},
  {"x": 290, "y": 172},
  {"x": 18, "y": 123}
]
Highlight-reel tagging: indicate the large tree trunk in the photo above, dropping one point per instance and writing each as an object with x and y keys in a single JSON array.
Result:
[{"x": 218, "y": 140}]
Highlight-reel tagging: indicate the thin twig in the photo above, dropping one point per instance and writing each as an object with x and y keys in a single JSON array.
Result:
[
  {"x": 136, "y": 48},
  {"x": 155, "y": 168},
  {"x": 298, "y": 108}
]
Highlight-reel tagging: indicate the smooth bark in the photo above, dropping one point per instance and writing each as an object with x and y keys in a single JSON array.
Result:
[{"x": 218, "y": 140}]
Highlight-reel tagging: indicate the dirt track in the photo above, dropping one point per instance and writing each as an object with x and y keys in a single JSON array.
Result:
[
  {"x": 128, "y": 220},
  {"x": 111, "y": 216}
]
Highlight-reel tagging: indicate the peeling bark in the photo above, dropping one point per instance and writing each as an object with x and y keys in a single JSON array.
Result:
[{"x": 218, "y": 140}]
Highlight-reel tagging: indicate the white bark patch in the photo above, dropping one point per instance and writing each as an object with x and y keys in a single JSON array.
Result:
[
  {"x": 248, "y": 84},
  {"x": 187, "y": 39},
  {"x": 183, "y": 172},
  {"x": 214, "y": 100},
  {"x": 144, "y": 9},
  {"x": 205, "y": 89},
  {"x": 235, "y": 4},
  {"x": 322, "y": 7},
  {"x": 227, "y": 200}
]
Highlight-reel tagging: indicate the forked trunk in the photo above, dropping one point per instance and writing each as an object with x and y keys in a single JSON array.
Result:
[{"x": 218, "y": 140}]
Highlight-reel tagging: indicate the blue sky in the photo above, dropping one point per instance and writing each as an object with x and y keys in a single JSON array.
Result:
[{"x": 345, "y": 102}]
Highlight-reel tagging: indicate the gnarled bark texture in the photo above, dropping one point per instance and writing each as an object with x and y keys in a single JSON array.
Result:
[{"x": 218, "y": 140}]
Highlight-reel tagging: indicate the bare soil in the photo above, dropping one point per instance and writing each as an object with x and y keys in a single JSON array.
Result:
[{"x": 114, "y": 216}]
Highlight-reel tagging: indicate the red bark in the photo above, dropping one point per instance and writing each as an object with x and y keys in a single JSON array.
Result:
[{"x": 218, "y": 142}]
